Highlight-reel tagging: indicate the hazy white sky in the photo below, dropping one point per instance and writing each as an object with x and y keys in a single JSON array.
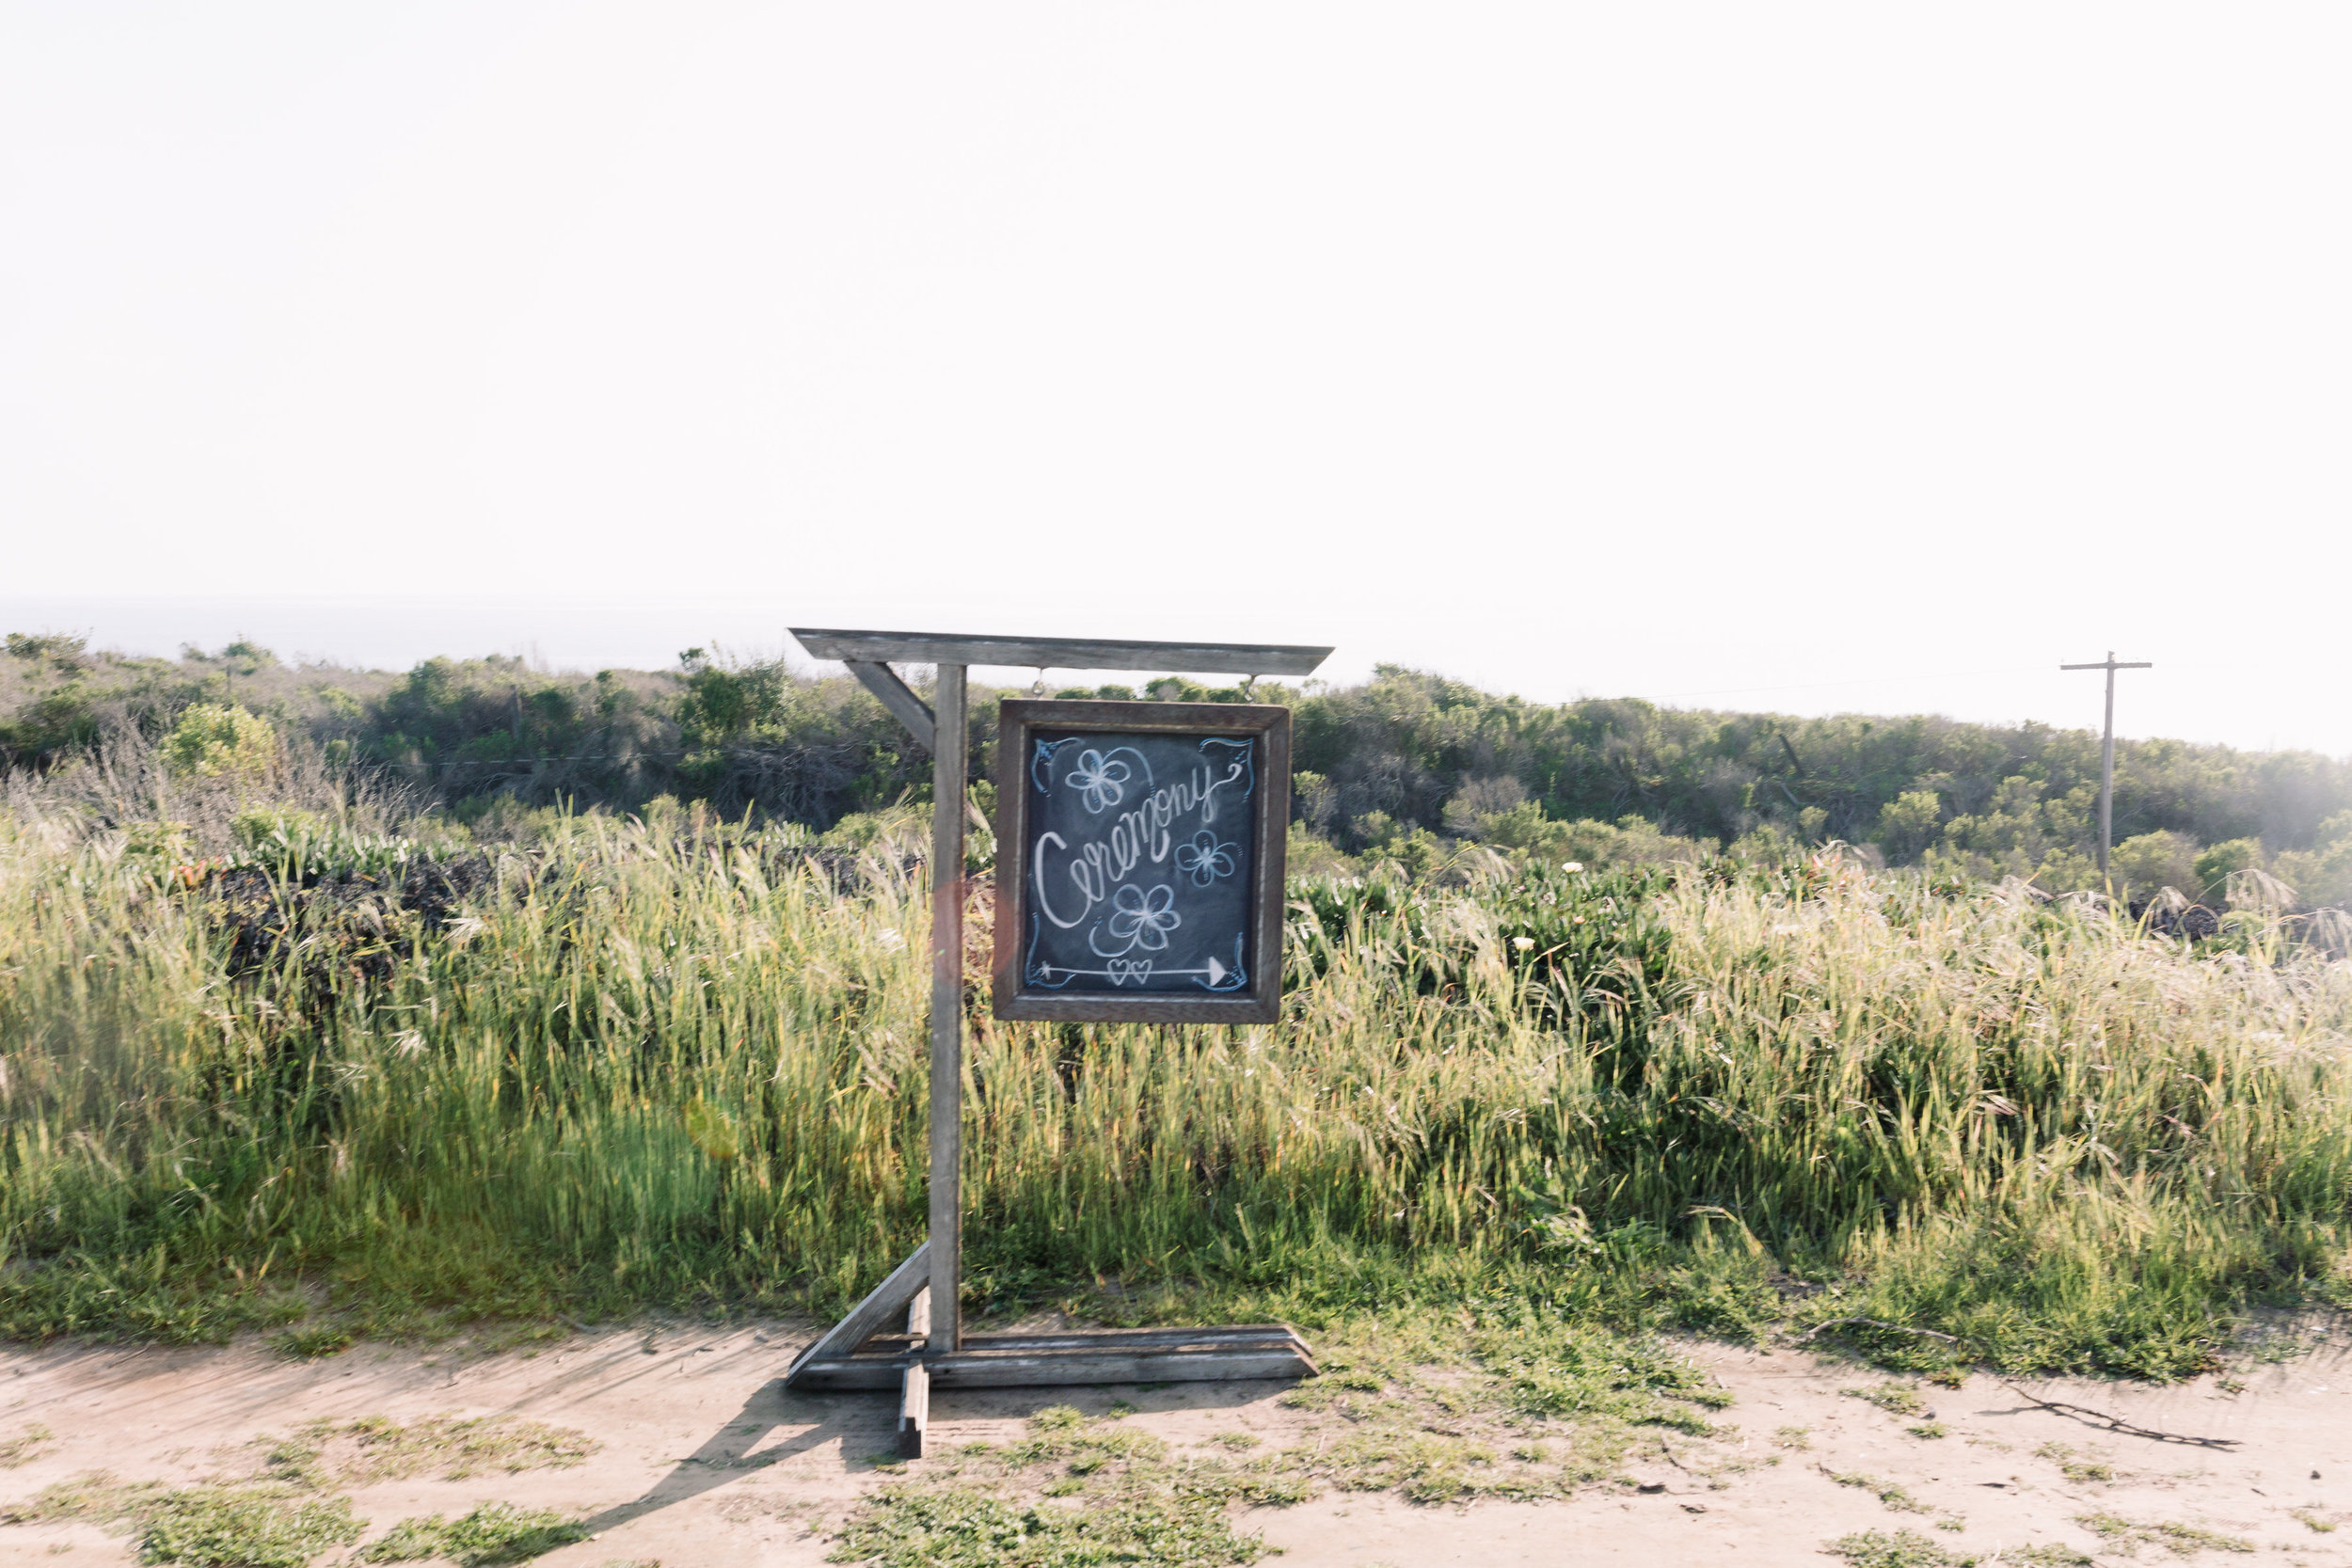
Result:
[{"x": 1813, "y": 357}]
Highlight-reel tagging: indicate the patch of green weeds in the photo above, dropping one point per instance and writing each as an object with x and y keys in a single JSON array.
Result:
[
  {"x": 247, "y": 1525},
  {"x": 1799, "y": 1438},
  {"x": 2313, "y": 1522},
  {"x": 1902, "y": 1548},
  {"x": 1235, "y": 1440},
  {"x": 95, "y": 1494},
  {"x": 2179, "y": 1539},
  {"x": 2049, "y": 1554},
  {"x": 951, "y": 1527},
  {"x": 1888, "y": 1491},
  {"x": 25, "y": 1446},
  {"x": 1425, "y": 1466},
  {"x": 493, "y": 1534},
  {"x": 2082, "y": 1471},
  {"x": 1559, "y": 1369},
  {"x": 1062, "y": 1432},
  {"x": 242, "y": 1527},
  {"x": 376, "y": 1448},
  {"x": 1896, "y": 1398},
  {"x": 409, "y": 1540},
  {"x": 308, "y": 1341},
  {"x": 1928, "y": 1429}
]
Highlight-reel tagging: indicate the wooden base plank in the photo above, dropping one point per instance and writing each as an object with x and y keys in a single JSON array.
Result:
[
  {"x": 1271, "y": 1351},
  {"x": 915, "y": 1410}
]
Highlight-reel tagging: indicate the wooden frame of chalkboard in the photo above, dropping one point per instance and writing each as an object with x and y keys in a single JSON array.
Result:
[
  {"x": 863, "y": 1350},
  {"x": 1252, "y": 744}
]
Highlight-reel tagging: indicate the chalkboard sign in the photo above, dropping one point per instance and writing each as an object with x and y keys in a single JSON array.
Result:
[{"x": 1139, "y": 861}]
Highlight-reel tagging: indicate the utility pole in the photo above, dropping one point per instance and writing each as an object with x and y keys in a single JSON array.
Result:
[{"x": 2106, "y": 756}]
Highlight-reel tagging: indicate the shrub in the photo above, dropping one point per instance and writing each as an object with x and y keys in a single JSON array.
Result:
[
  {"x": 1907, "y": 824},
  {"x": 2145, "y": 865},
  {"x": 215, "y": 741},
  {"x": 2212, "y": 869}
]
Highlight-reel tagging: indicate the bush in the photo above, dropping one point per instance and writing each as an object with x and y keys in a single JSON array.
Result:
[
  {"x": 2143, "y": 866},
  {"x": 2321, "y": 877},
  {"x": 215, "y": 741},
  {"x": 2212, "y": 869},
  {"x": 1908, "y": 823}
]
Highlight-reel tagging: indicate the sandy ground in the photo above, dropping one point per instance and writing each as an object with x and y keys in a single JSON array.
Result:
[{"x": 708, "y": 1460}]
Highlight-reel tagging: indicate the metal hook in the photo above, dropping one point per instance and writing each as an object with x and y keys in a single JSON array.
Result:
[{"x": 1038, "y": 688}]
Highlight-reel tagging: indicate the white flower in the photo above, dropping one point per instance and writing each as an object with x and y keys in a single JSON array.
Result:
[
  {"x": 1522, "y": 943},
  {"x": 1146, "y": 917},
  {"x": 1099, "y": 780},
  {"x": 1571, "y": 865},
  {"x": 1204, "y": 860}
]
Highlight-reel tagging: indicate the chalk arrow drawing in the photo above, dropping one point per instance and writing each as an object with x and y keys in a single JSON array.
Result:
[{"x": 1122, "y": 974}]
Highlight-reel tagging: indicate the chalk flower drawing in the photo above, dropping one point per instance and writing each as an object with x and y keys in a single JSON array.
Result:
[
  {"x": 1143, "y": 918},
  {"x": 1100, "y": 781},
  {"x": 1204, "y": 860}
]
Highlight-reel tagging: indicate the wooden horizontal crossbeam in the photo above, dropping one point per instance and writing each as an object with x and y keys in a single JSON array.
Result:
[
  {"x": 1059, "y": 653},
  {"x": 1044, "y": 1361}
]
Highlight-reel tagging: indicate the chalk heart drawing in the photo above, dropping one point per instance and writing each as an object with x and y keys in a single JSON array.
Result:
[
  {"x": 1100, "y": 781},
  {"x": 1143, "y": 919},
  {"x": 1128, "y": 972},
  {"x": 1204, "y": 860}
]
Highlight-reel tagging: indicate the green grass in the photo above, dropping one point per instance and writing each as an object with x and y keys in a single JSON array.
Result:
[
  {"x": 1896, "y": 1398},
  {"x": 671, "y": 1066},
  {"x": 1901, "y": 1548},
  {"x": 491, "y": 1535},
  {"x": 454, "y": 1448},
  {"x": 2179, "y": 1539},
  {"x": 1888, "y": 1493},
  {"x": 2078, "y": 1470},
  {"x": 949, "y": 1526},
  {"x": 214, "y": 1525},
  {"x": 26, "y": 1446}
]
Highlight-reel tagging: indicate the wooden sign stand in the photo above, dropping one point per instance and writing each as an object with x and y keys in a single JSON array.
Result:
[{"x": 863, "y": 1351}]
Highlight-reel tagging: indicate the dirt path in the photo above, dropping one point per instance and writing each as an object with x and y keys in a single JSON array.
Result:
[{"x": 708, "y": 1460}]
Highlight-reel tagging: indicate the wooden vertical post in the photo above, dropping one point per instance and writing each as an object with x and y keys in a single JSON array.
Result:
[
  {"x": 948, "y": 783},
  {"x": 2106, "y": 774},
  {"x": 2107, "y": 758}
]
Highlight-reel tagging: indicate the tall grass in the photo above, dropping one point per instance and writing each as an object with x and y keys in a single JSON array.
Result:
[{"x": 648, "y": 1066}]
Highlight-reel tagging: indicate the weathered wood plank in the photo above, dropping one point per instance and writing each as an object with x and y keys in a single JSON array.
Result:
[
  {"x": 909, "y": 709},
  {"x": 868, "y": 1317},
  {"x": 915, "y": 1410},
  {"x": 1061, "y": 653},
  {"x": 946, "y": 1104},
  {"x": 1222, "y": 1336},
  {"x": 984, "y": 1370},
  {"x": 919, "y": 1316}
]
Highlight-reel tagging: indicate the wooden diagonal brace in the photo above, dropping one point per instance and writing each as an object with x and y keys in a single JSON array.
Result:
[
  {"x": 912, "y": 711},
  {"x": 867, "y": 1318}
]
